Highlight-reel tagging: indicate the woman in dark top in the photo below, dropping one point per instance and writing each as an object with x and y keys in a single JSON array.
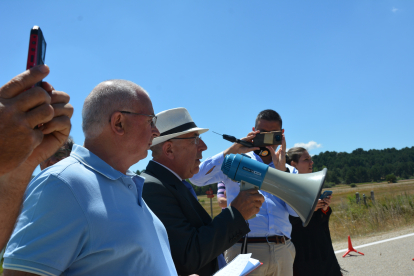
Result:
[{"x": 314, "y": 251}]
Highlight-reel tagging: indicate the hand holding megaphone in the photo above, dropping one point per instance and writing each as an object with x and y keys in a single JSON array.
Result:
[{"x": 248, "y": 203}]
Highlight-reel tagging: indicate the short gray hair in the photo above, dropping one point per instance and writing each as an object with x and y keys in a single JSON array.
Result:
[
  {"x": 106, "y": 98},
  {"x": 157, "y": 150},
  {"x": 69, "y": 143}
]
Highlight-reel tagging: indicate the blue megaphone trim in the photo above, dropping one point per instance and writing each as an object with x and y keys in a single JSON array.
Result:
[{"x": 241, "y": 167}]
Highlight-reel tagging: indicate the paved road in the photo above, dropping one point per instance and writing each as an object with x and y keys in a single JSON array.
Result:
[{"x": 389, "y": 258}]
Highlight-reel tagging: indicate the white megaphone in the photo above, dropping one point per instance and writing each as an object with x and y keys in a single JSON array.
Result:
[{"x": 299, "y": 191}]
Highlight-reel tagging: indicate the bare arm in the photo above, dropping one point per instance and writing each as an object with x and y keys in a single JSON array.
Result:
[{"x": 12, "y": 188}]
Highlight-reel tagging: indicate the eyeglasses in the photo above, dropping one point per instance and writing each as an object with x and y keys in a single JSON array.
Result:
[
  {"x": 196, "y": 139},
  {"x": 153, "y": 117}
]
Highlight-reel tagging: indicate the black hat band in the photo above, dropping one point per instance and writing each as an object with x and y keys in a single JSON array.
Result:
[{"x": 180, "y": 128}]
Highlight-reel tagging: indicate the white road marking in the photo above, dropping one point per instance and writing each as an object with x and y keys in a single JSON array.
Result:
[{"x": 372, "y": 243}]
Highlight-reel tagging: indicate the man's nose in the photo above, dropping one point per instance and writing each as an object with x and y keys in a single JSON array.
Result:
[{"x": 202, "y": 146}]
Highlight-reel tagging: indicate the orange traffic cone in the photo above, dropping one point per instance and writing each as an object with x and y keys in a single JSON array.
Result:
[{"x": 350, "y": 248}]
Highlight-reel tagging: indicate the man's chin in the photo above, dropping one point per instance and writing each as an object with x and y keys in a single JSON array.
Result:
[
  {"x": 142, "y": 156},
  {"x": 195, "y": 171}
]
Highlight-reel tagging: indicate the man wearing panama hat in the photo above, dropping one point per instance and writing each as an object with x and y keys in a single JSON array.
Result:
[{"x": 196, "y": 240}]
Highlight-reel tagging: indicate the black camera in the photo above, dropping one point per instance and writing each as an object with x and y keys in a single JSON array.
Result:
[{"x": 264, "y": 139}]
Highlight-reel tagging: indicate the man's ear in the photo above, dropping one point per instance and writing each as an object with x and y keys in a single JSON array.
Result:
[
  {"x": 283, "y": 130},
  {"x": 253, "y": 129},
  {"x": 293, "y": 163},
  {"x": 168, "y": 150},
  {"x": 118, "y": 123}
]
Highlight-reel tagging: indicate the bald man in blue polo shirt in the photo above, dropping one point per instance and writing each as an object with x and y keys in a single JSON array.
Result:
[{"x": 85, "y": 214}]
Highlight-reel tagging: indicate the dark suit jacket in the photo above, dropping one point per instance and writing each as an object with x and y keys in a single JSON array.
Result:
[{"x": 195, "y": 239}]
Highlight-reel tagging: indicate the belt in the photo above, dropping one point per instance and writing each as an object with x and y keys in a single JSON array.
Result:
[{"x": 275, "y": 239}]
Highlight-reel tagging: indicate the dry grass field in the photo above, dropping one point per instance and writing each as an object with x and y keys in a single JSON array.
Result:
[
  {"x": 380, "y": 189},
  {"x": 392, "y": 209},
  {"x": 205, "y": 202}
]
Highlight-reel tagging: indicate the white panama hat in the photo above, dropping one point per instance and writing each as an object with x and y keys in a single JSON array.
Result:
[{"x": 173, "y": 123}]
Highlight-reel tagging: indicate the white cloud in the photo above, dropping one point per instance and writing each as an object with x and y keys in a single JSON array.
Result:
[
  {"x": 394, "y": 9},
  {"x": 309, "y": 146}
]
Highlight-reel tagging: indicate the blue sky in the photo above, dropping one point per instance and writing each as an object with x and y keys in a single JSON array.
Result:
[{"x": 340, "y": 73}]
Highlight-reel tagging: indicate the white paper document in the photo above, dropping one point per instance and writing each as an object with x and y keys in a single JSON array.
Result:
[{"x": 239, "y": 266}]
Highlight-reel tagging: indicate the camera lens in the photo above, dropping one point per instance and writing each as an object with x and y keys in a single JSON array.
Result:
[{"x": 277, "y": 138}]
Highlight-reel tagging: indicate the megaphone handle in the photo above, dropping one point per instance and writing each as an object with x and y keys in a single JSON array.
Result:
[{"x": 246, "y": 186}]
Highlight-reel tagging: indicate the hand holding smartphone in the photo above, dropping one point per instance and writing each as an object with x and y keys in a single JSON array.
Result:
[{"x": 37, "y": 51}]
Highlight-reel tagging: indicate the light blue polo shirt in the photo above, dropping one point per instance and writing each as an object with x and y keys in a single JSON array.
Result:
[{"x": 82, "y": 217}]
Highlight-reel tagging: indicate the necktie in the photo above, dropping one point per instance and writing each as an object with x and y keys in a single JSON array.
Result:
[{"x": 190, "y": 188}]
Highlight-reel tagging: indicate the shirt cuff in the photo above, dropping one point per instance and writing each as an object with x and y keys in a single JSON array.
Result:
[
  {"x": 325, "y": 212},
  {"x": 31, "y": 267}
]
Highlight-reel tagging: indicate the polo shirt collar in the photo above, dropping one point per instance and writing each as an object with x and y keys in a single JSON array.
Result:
[{"x": 90, "y": 160}]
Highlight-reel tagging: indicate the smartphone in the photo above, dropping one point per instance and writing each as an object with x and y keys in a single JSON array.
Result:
[
  {"x": 326, "y": 194},
  {"x": 37, "y": 49}
]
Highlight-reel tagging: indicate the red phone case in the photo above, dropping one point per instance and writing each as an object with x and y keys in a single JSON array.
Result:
[
  {"x": 32, "y": 56},
  {"x": 37, "y": 49}
]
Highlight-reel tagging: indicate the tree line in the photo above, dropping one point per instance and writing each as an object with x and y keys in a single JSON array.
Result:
[
  {"x": 358, "y": 166},
  {"x": 365, "y": 166}
]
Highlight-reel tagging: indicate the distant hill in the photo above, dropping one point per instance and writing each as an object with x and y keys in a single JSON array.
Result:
[{"x": 365, "y": 166}]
